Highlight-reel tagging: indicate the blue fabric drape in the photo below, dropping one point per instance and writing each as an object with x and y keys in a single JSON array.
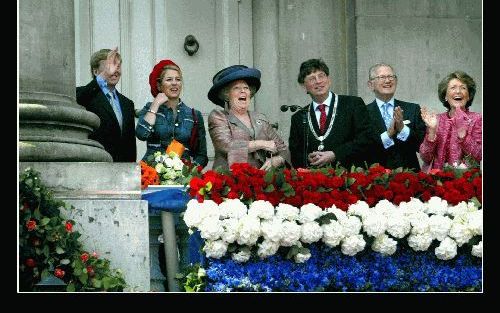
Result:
[{"x": 175, "y": 199}]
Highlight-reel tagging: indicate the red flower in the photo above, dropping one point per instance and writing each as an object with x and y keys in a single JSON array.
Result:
[
  {"x": 68, "y": 226},
  {"x": 59, "y": 273},
  {"x": 31, "y": 225},
  {"x": 90, "y": 271},
  {"x": 84, "y": 257},
  {"x": 95, "y": 255},
  {"x": 30, "y": 262}
]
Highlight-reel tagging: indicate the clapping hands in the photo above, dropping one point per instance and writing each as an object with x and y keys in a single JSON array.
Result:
[
  {"x": 429, "y": 117},
  {"x": 397, "y": 122}
]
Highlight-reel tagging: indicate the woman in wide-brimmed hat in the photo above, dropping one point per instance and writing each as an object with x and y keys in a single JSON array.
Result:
[
  {"x": 239, "y": 135},
  {"x": 168, "y": 118}
]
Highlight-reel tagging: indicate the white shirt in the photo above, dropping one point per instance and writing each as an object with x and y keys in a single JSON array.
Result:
[{"x": 328, "y": 103}]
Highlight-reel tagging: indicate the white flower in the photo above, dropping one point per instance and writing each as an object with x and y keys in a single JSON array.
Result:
[
  {"x": 460, "y": 232},
  {"x": 398, "y": 225},
  {"x": 196, "y": 212},
  {"x": 248, "y": 230},
  {"x": 177, "y": 164},
  {"x": 211, "y": 228},
  {"x": 210, "y": 208},
  {"x": 436, "y": 205},
  {"x": 447, "y": 249},
  {"x": 311, "y": 232},
  {"x": 353, "y": 244},
  {"x": 271, "y": 229},
  {"x": 384, "y": 205},
  {"x": 309, "y": 212},
  {"x": 420, "y": 242},
  {"x": 230, "y": 226},
  {"x": 420, "y": 223},
  {"x": 360, "y": 208},
  {"x": 477, "y": 250},
  {"x": 215, "y": 249},
  {"x": 242, "y": 256},
  {"x": 302, "y": 257},
  {"x": 351, "y": 225},
  {"x": 232, "y": 208},
  {"x": 261, "y": 209},
  {"x": 374, "y": 224},
  {"x": 267, "y": 248},
  {"x": 290, "y": 233},
  {"x": 332, "y": 233},
  {"x": 458, "y": 209},
  {"x": 385, "y": 245},
  {"x": 287, "y": 212},
  {"x": 439, "y": 226},
  {"x": 412, "y": 206},
  {"x": 475, "y": 222}
]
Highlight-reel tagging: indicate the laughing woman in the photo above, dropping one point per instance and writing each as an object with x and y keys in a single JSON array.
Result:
[
  {"x": 239, "y": 135},
  {"x": 456, "y": 134},
  {"x": 168, "y": 118}
]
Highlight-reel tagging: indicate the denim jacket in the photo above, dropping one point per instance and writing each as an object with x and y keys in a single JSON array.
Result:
[{"x": 165, "y": 129}]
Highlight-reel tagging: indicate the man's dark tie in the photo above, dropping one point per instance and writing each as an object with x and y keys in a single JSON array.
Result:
[{"x": 322, "y": 118}]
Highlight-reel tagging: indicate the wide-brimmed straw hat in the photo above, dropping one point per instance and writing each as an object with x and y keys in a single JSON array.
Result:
[
  {"x": 230, "y": 74},
  {"x": 156, "y": 72}
]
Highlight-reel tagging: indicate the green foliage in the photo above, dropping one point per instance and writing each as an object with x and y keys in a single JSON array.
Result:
[
  {"x": 49, "y": 246},
  {"x": 193, "y": 279}
]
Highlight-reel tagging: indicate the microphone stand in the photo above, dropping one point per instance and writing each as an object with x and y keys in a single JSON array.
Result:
[
  {"x": 304, "y": 111},
  {"x": 306, "y": 133}
]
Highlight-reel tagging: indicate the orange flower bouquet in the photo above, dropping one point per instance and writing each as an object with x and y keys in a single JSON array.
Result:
[{"x": 149, "y": 176}]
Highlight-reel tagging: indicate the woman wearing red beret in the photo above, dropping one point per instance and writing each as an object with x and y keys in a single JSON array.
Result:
[{"x": 168, "y": 118}]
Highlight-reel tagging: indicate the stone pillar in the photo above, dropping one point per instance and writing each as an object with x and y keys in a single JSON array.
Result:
[{"x": 52, "y": 126}]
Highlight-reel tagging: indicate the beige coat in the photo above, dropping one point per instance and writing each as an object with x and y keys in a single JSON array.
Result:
[{"x": 230, "y": 138}]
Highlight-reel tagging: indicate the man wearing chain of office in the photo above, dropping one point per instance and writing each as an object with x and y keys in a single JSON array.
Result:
[{"x": 332, "y": 129}]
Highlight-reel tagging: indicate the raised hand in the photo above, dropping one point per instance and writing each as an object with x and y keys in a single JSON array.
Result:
[
  {"x": 160, "y": 99},
  {"x": 113, "y": 64},
  {"x": 429, "y": 117}
]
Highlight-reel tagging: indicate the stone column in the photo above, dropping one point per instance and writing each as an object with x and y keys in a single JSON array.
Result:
[{"x": 52, "y": 126}]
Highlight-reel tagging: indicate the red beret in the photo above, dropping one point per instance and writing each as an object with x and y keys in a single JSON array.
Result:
[{"x": 155, "y": 73}]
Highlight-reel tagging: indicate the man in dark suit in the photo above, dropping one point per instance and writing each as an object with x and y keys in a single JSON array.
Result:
[
  {"x": 332, "y": 128},
  {"x": 116, "y": 112},
  {"x": 397, "y": 126}
]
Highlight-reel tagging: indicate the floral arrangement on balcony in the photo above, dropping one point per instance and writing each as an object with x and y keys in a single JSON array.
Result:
[
  {"x": 167, "y": 168},
  {"x": 253, "y": 219},
  {"x": 48, "y": 245},
  {"x": 326, "y": 187},
  {"x": 262, "y": 229}
]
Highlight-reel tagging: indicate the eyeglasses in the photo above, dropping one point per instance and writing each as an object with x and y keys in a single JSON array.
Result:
[
  {"x": 383, "y": 78},
  {"x": 315, "y": 78}
]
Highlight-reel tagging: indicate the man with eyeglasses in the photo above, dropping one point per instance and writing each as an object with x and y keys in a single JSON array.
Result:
[
  {"x": 397, "y": 126},
  {"x": 332, "y": 128}
]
